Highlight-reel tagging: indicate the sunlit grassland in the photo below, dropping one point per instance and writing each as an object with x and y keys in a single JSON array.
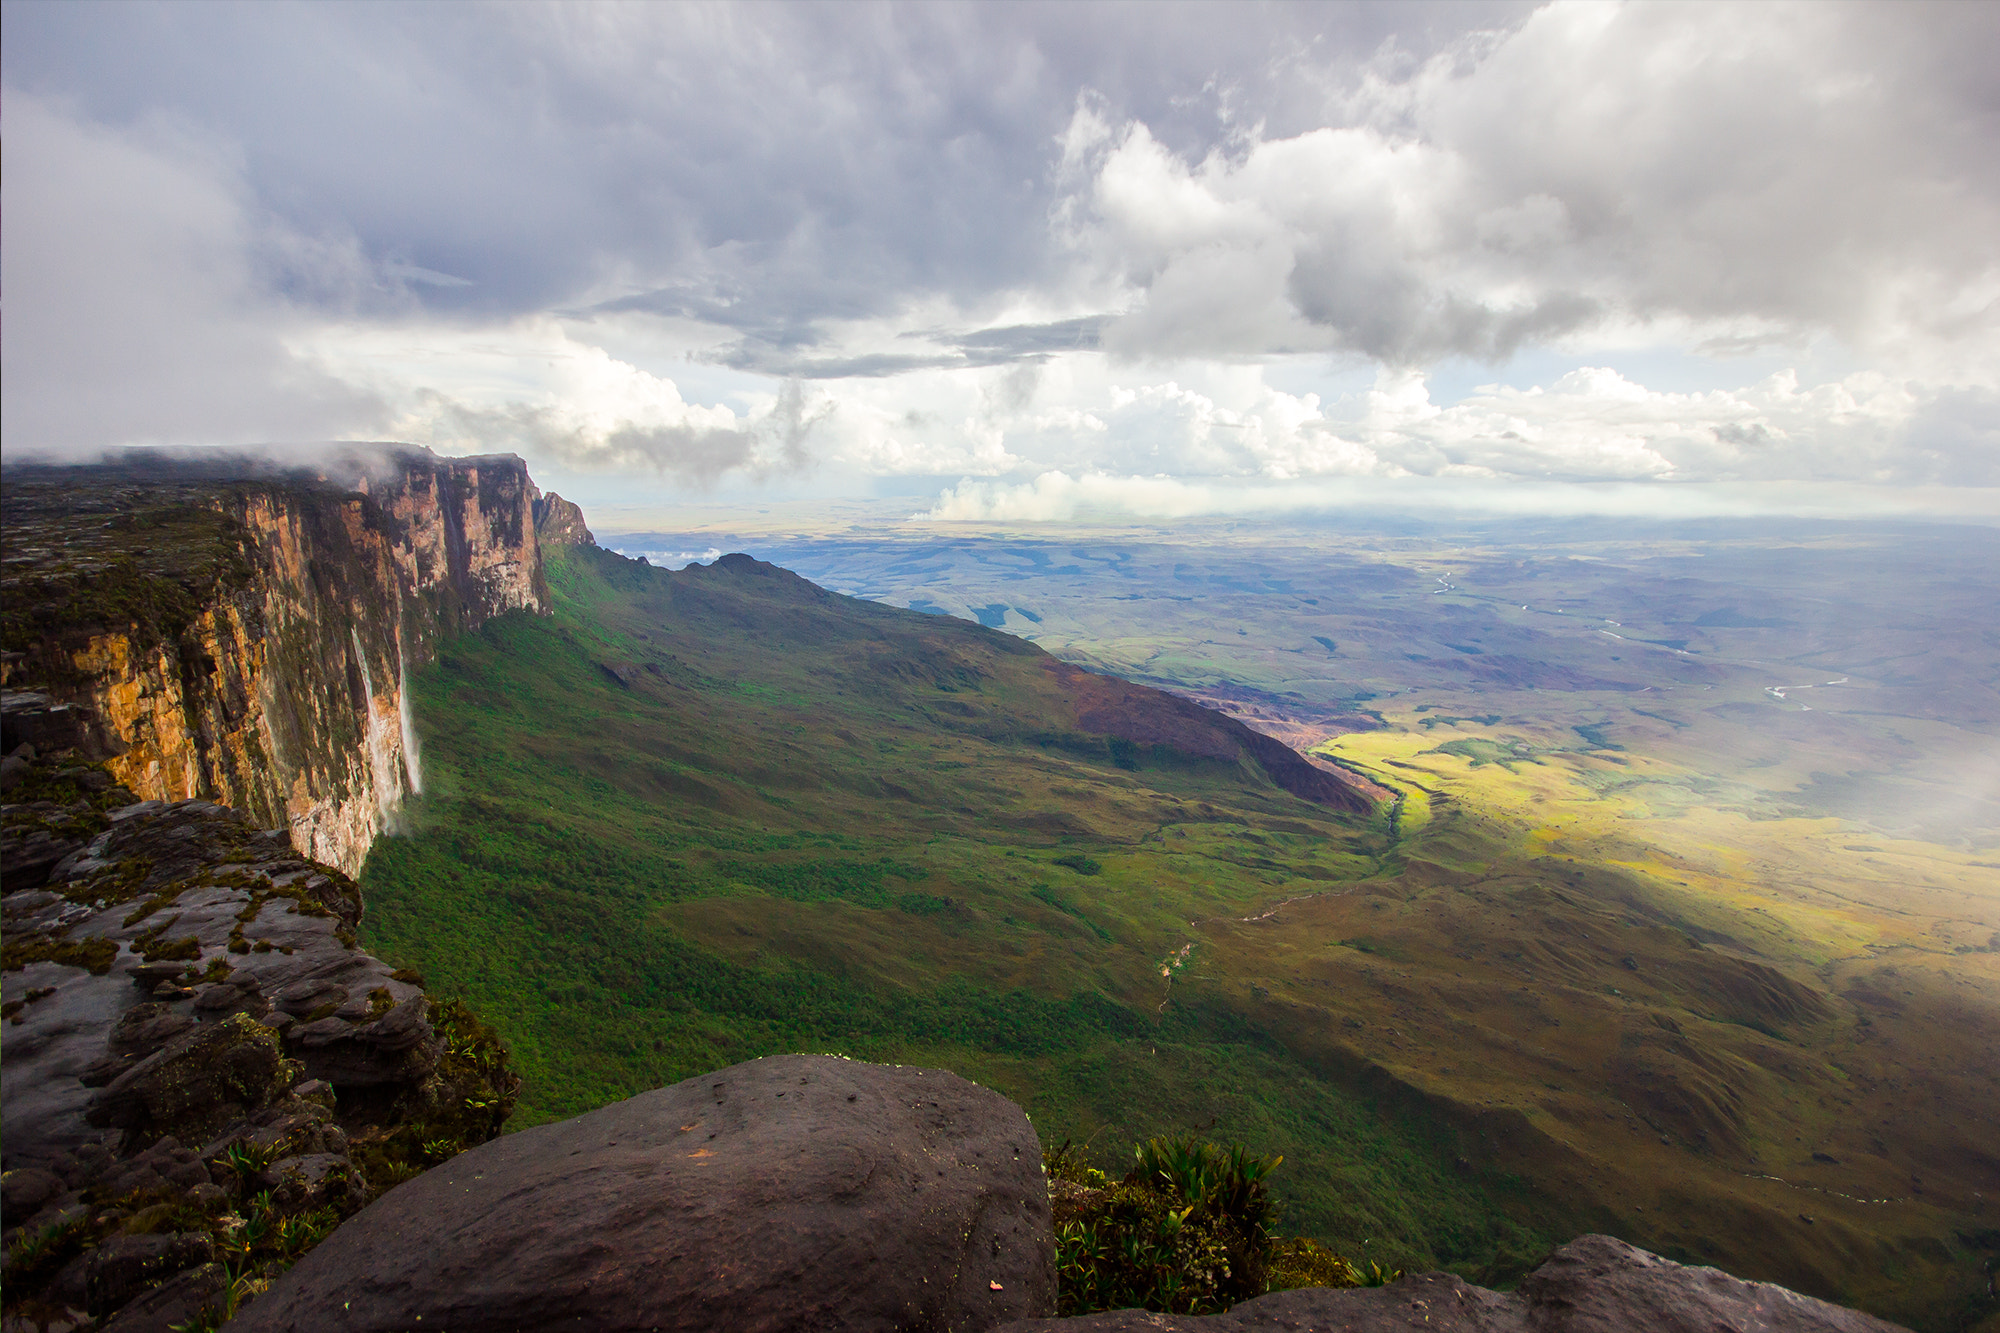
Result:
[
  {"x": 1835, "y": 888},
  {"x": 689, "y": 820},
  {"x": 1731, "y": 1022}
]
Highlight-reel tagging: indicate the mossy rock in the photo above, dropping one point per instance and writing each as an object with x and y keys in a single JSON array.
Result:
[
  {"x": 93, "y": 955},
  {"x": 213, "y": 1076}
]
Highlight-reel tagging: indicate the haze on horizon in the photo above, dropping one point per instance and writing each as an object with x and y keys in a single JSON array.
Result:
[{"x": 1021, "y": 261}]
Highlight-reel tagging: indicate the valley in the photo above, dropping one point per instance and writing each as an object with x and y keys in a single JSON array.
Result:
[
  {"x": 1612, "y": 952},
  {"x": 877, "y": 834}
]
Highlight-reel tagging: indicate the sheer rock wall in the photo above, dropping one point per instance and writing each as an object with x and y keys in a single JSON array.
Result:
[{"x": 243, "y": 633}]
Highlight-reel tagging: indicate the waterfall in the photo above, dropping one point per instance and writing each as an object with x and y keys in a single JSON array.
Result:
[
  {"x": 388, "y": 791},
  {"x": 412, "y": 760}
]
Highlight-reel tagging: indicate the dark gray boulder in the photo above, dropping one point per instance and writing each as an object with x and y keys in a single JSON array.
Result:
[
  {"x": 124, "y": 1266},
  {"x": 798, "y": 1191},
  {"x": 23, "y": 1192},
  {"x": 1594, "y": 1284},
  {"x": 315, "y": 1180},
  {"x": 398, "y": 1048},
  {"x": 179, "y": 1300}
]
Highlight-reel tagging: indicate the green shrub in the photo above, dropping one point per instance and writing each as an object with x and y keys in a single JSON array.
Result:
[
  {"x": 1183, "y": 1232},
  {"x": 1187, "y": 1231},
  {"x": 34, "y": 1257},
  {"x": 155, "y": 949}
]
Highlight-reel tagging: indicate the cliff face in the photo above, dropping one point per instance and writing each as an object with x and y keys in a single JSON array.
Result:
[
  {"x": 242, "y": 634},
  {"x": 560, "y": 522}
]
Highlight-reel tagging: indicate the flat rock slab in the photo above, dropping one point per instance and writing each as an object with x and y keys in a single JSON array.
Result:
[
  {"x": 1594, "y": 1284},
  {"x": 796, "y": 1191}
]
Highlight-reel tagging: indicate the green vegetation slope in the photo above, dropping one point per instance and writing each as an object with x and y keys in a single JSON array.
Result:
[
  {"x": 696, "y": 817},
  {"x": 699, "y": 816}
]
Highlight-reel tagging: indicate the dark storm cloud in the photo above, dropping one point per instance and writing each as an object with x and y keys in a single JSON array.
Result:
[
  {"x": 1776, "y": 172},
  {"x": 1389, "y": 313}
]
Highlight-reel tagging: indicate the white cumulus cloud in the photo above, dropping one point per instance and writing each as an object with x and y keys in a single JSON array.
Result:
[{"x": 1747, "y": 174}]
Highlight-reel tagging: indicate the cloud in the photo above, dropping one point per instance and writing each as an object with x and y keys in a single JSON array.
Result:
[
  {"x": 1753, "y": 175},
  {"x": 763, "y": 170},
  {"x": 1081, "y": 416},
  {"x": 666, "y": 559},
  {"x": 595, "y": 413},
  {"x": 1006, "y": 241},
  {"x": 765, "y": 167},
  {"x": 1035, "y": 340},
  {"x": 1062, "y": 497},
  {"x": 139, "y": 296},
  {"x": 1058, "y": 495}
]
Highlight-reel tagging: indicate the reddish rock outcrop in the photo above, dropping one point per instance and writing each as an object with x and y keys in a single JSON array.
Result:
[{"x": 559, "y": 522}]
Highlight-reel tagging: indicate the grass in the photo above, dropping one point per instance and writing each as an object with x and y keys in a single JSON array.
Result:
[
  {"x": 788, "y": 822},
  {"x": 697, "y": 817},
  {"x": 1678, "y": 988}
]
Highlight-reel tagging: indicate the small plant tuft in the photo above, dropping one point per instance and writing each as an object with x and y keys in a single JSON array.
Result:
[{"x": 1185, "y": 1232}]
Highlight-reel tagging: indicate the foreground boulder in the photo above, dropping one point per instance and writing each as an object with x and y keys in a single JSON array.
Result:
[
  {"x": 796, "y": 1191},
  {"x": 1594, "y": 1284}
]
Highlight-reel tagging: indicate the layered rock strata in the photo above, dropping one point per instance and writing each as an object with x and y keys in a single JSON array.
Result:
[
  {"x": 243, "y": 633},
  {"x": 201, "y": 1067}
]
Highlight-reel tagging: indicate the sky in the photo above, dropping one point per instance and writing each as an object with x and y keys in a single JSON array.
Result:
[{"x": 1019, "y": 261}]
